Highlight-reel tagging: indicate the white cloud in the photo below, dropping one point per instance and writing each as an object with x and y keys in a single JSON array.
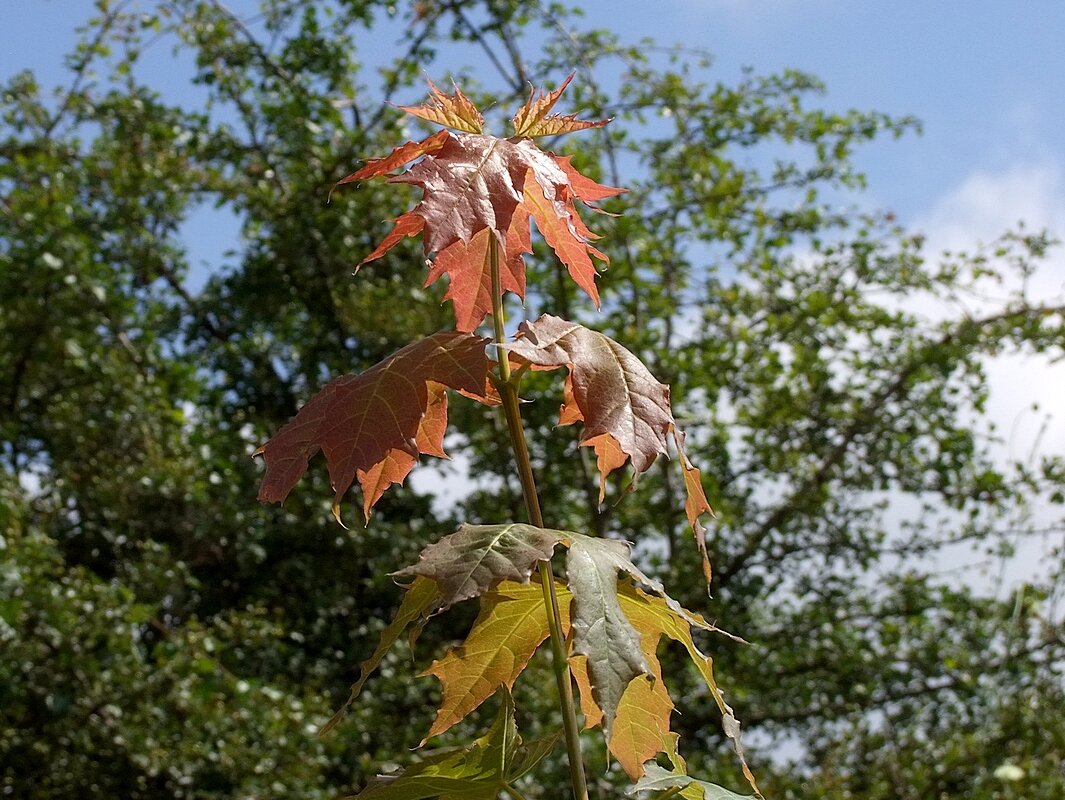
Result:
[
  {"x": 1026, "y": 391},
  {"x": 977, "y": 211}
]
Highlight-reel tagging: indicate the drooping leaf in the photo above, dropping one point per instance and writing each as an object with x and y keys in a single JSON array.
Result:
[
  {"x": 418, "y": 601},
  {"x": 659, "y": 779},
  {"x": 453, "y": 111},
  {"x": 479, "y": 772},
  {"x": 617, "y": 555},
  {"x": 641, "y": 726},
  {"x": 475, "y": 558},
  {"x": 617, "y": 628},
  {"x": 361, "y": 421},
  {"x": 510, "y": 626},
  {"x": 601, "y": 631},
  {"x": 473, "y": 182},
  {"x": 654, "y": 614},
  {"x": 613, "y": 392},
  {"x": 534, "y": 119},
  {"x": 695, "y": 505},
  {"x": 626, "y": 412}
]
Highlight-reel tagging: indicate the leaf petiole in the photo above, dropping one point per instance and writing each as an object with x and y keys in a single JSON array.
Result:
[
  {"x": 513, "y": 792},
  {"x": 560, "y": 665}
]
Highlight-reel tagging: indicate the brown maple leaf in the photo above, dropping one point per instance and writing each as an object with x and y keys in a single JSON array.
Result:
[
  {"x": 372, "y": 426},
  {"x": 533, "y": 118},
  {"x": 453, "y": 111},
  {"x": 626, "y": 412},
  {"x": 472, "y": 182}
]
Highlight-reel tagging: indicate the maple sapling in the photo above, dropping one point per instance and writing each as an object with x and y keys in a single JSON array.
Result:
[{"x": 480, "y": 196}]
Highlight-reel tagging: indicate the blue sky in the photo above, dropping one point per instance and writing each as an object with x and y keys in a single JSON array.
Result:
[{"x": 987, "y": 80}]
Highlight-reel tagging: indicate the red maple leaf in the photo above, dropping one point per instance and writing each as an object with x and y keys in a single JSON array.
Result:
[
  {"x": 472, "y": 182},
  {"x": 372, "y": 426},
  {"x": 626, "y": 412}
]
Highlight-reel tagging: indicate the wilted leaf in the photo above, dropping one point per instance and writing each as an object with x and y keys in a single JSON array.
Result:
[
  {"x": 695, "y": 505},
  {"x": 475, "y": 558},
  {"x": 479, "y": 772},
  {"x": 533, "y": 118},
  {"x": 601, "y": 631},
  {"x": 617, "y": 554},
  {"x": 361, "y": 421},
  {"x": 654, "y": 614},
  {"x": 626, "y": 411},
  {"x": 641, "y": 727},
  {"x": 614, "y": 393},
  {"x": 418, "y": 601},
  {"x": 511, "y": 625}
]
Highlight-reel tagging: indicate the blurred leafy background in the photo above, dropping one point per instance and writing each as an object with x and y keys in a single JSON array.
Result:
[{"x": 162, "y": 635}]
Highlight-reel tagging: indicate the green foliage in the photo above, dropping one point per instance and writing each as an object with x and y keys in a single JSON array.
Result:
[
  {"x": 481, "y": 772},
  {"x": 133, "y": 383}
]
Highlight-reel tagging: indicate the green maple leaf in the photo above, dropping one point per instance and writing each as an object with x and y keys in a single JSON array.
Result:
[
  {"x": 478, "y": 772},
  {"x": 511, "y": 625},
  {"x": 419, "y": 600},
  {"x": 660, "y": 779},
  {"x": 601, "y": 631},
  {"x": 475, "y": 558},
  {"x": 614, "y": 628}
]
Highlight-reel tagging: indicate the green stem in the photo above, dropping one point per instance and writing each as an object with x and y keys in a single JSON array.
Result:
[
  {"x": 513, "y": 792},
  {"x": 509, "y": 393}
]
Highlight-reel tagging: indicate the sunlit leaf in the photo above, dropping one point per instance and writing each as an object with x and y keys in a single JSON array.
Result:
[
  {"x": 534, "y": 119},
  {"x": 511, "y": 625},
  {"x": 362, "y": 421},
  {"x": 475, "y": 558},
  {"x": 626, "y": 412},
  {"x": 454, "y": 110},
  {"x": 601, "y": 631},
  {"x": 479, "y": 772},
  {"x": 476, "y": 188}
]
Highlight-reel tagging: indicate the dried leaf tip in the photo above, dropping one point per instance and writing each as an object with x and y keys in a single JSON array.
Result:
[
  {"x": 534, "y": 120},
  {"x": 450, "y": 110}
]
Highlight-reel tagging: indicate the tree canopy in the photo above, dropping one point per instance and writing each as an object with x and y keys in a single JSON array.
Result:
[{"x": 164, "y": 635}]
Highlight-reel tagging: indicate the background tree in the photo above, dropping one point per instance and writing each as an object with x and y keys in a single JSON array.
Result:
[{"x": 164, "y": 636}]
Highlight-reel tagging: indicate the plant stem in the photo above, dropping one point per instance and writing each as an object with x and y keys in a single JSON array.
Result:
[
  {"x": 513, "y": 792},
  {"x": 509, "y": 393}
]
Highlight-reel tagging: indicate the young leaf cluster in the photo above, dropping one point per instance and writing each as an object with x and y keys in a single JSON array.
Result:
[{"x": 480, "y": 195}]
